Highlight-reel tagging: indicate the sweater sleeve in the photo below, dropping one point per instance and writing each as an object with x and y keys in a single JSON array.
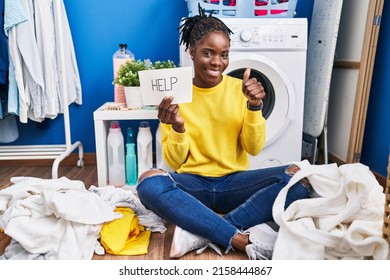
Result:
[
  {"x": 253, "y": 133},
  {"x": 175, "y": 146}
]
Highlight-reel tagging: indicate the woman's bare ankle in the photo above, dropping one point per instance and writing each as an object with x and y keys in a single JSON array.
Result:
[{"x": 239, "y": 241}]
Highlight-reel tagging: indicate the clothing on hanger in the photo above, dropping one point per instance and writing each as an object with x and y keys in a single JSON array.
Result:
[{"x": 35, "y": 30}]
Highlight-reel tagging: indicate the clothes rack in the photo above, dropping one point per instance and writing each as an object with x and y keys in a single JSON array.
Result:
[{"x": 56, "y": 152}]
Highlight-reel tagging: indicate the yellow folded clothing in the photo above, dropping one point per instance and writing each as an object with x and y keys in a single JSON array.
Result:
[{"x": 125, "y": 236}]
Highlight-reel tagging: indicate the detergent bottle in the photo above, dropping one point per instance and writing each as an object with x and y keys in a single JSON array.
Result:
[
  {"x": 160, "y": 162},
  {"x": 130, "y": 135},
  {"x": 144, "y": 148},
  {"x": 131, "y": 165},
  {"x": 120, "y": 57},
  {"x": 116, "y": 155},
  {"x": 131, "y": 159}
]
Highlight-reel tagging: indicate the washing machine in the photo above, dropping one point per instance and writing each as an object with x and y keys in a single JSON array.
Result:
[{"x": 275, "y": 49}]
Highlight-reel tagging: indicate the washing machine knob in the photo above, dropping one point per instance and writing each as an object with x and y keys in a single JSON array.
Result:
[{"x": 246, "y": 36}]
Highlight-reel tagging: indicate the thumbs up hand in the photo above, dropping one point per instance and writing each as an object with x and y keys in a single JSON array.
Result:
[
  {"x": 247, "y": 73},
  {"x": 252, "y": 89}
]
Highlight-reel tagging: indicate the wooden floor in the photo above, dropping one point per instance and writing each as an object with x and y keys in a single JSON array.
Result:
[{"x": 160, "y": 244}]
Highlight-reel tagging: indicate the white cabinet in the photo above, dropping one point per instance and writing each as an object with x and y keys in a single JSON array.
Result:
[{"x": 102, "y": 118}]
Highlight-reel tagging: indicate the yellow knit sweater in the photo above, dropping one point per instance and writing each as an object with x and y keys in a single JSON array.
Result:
[{"x": 220, "y": 132}]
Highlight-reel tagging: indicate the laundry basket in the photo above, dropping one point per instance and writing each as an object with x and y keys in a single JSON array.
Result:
[
  {"x": 244, "y": 8},
  {"x": 386, "y": 224}
]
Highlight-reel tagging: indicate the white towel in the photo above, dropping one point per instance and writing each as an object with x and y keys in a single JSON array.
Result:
[
  {"x": 342, "y": 220},
  {"x": 57, "y": 218}
]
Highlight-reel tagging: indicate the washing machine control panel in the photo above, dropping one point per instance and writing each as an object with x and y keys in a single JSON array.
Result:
[
  {"x": 246, "y": 35},
  {"x": 268, "y": 36}
]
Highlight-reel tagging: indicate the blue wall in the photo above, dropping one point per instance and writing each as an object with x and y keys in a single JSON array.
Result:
[
  {"x": 150, "y": 30},
  {"x": 376, "y": 142}
]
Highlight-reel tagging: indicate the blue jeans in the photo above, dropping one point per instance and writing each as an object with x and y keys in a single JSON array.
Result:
[{"x": 195, "y": 203}]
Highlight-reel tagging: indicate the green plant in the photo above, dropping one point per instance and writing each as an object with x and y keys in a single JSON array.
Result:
[
  {"x": 127, "y": 74},
  {"x": 163, "y": 64}
]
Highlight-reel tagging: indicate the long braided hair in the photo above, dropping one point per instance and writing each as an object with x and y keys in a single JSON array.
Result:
[{"x": 196, "y": 27}]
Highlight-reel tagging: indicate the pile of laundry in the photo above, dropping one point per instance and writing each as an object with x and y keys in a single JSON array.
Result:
[
  {"x": 342, "y": 220},
  {"x": 59, "y": 219}
]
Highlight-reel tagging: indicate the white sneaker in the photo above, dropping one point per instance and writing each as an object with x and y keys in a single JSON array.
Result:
[
  {"x": 262, "y": 238},
  {"x": 184, "y": 242}
]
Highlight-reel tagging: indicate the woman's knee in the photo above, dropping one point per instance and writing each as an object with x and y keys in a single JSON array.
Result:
[
  {"x": 150, "y": 173},
  {"x": 152, "y": 183},
  {"x": 154, "y": 179}
]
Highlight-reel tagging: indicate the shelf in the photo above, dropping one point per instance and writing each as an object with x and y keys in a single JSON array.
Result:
[
  {"x": 102, "y": 114},
  {"x": 102, "y": 117}
]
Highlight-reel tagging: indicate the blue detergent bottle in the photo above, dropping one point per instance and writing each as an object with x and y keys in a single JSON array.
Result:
[
  {"x": 131, "y": 159},
  {"x": 131, "y": 165}
]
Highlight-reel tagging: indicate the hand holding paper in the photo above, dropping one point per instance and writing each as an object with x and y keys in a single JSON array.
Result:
[{"x": 156, "y": 84}]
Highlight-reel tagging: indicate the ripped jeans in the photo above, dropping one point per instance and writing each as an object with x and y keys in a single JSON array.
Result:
[{"x": 195, "y": 203}]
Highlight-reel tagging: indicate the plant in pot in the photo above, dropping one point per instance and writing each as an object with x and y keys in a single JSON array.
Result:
[{"x": 127, "y": 76}]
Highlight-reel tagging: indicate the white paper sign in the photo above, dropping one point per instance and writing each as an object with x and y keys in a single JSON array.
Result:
[{"x": 176, "y": 82}]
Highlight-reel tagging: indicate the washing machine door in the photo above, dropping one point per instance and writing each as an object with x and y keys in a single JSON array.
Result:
[{"x": 279, "y": 101}]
